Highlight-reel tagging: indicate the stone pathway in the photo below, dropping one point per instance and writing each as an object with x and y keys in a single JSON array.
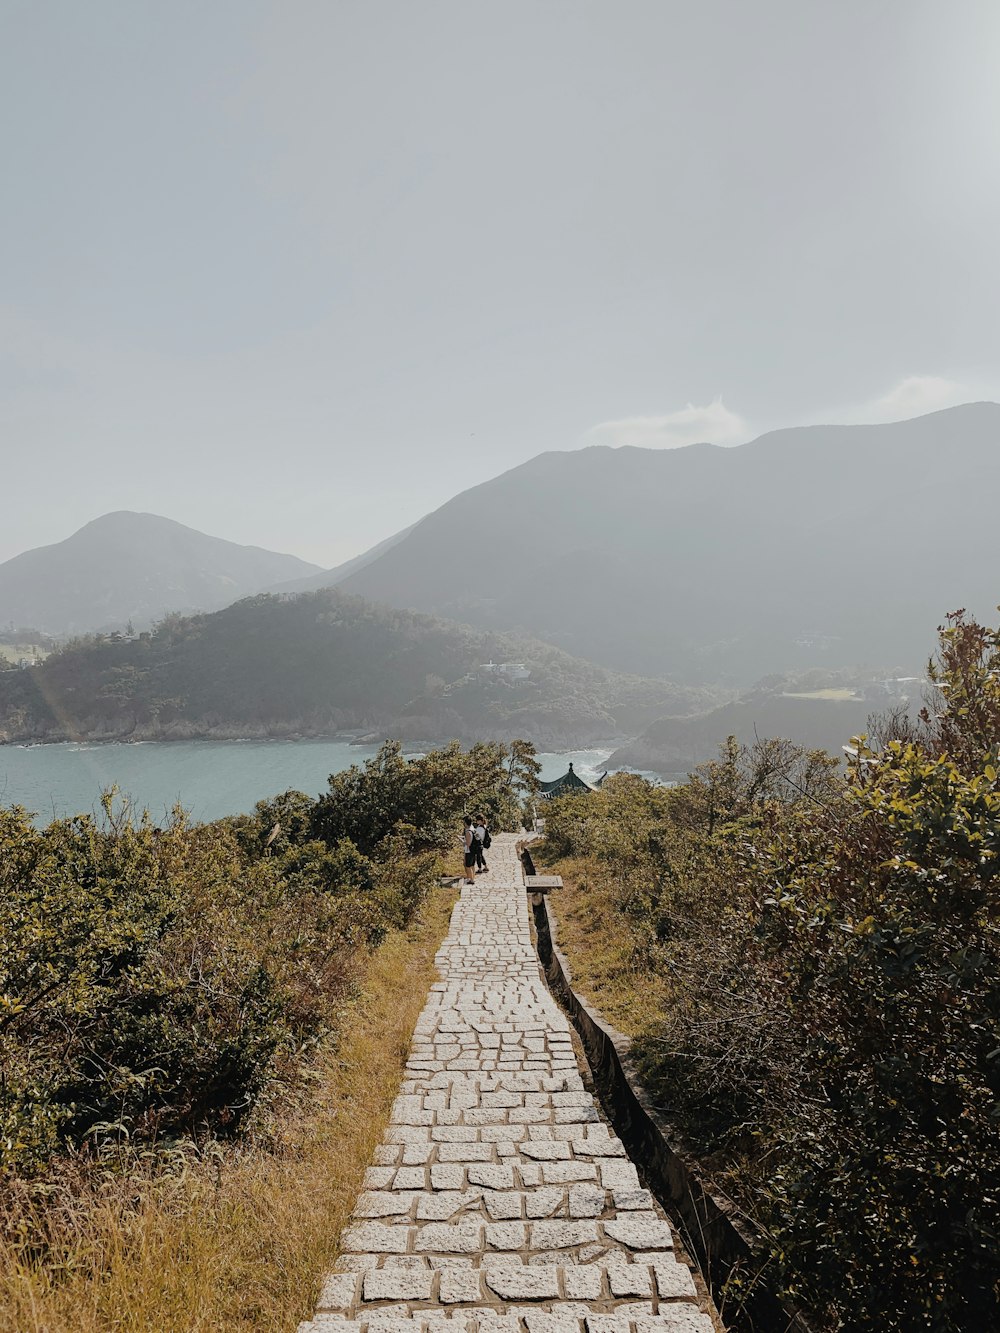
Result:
[{"x": 499, "y": 1201}]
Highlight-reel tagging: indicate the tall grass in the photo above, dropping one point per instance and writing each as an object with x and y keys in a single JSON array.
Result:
[{"x": 235, "y": 1238}]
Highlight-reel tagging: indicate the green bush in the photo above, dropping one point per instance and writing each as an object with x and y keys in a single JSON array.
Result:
[
  {"x": 156, "y": 982},
  {"x": 830, "y": 953}
]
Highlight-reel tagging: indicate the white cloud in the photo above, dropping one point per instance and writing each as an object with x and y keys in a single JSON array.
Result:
[
  {"x": 714, "y": 424},
  {"x": 916, "y": 395}
]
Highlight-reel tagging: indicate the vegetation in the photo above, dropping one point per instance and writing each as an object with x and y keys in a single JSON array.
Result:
[
  {"x": 810, "y": 967},
  {"x": 318, "y": 663},
  {"x": 234, "y": 1236},
  {"x": 169, "y": 995}
]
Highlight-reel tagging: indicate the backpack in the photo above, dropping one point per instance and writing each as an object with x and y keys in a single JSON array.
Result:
[{"x": 487, "y": 840}]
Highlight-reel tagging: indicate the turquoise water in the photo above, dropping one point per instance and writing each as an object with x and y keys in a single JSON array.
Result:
[{"x": 209, "y": 778}]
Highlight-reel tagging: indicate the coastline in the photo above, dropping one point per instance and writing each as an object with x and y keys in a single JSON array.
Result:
[{"x": 551, "y": 743}]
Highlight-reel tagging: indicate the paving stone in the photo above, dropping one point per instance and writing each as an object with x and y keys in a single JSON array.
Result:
[
  {"x": 465, "y": 1152},
  {"x": 630, "y": 1280},
  {"x": 524, "y": 1283},
  {"x": 500, "y": 1259},
  {"x": 447, "y": 1177},
  {"x": 462, "y": 1237},
  {"x": 379, "y": 1177},
  {"x": 323, "y": 1323},
  {"x": 564, "y": 1173},
  {"x": 459, "y": 1284},
  {"x": 640, "y": 1231},
  {"x": 680, "y": 1318},
  {"x": 494, "y": 1177},
  {"x": 586, "y": 1200},
  {"x": 503, "y": 1205},
  {"x": 491, "y": 1320},
  {"x": 618, "y": 1175},
  {"x": 385, "y": 1314},
  {"x": 384, "y": 1203},
  {"x": 445, "y": 1204},
  {"x": 398, "y": 1284},
  {"x": 357, "y": 1263},
  {"x": 506, "y": 1235},
  {"x": 339, "y": 1291},
  {"x": 543, "y": 1201},
  {"x": 406, "y": 1134},
  {"x": 415, "y": 1154},
  {"x": 375, "y": 1238},
  {"x": 583, "y": 1282},
  {"x": 545, "y": 1150},
  {"x": 674, "y": 1281},
  {"x": 627, "y": 1199},
  {"x": 384, "y": 1321},
  {"x": 560, "y": 1235},
  {"x": 559, "y": 1320},
  {"x": 608, "y": 1323}
]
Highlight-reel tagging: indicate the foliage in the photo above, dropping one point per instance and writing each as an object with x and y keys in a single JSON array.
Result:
[
  {"x": 316, "y": 664},
  {"x": 151, "y": 980},
  {"x": 425, "y": 796},
  {"x": 231, "y": 1235},
  {"x": 826, "y": 956},
  {"x": 156, "y": 982}
]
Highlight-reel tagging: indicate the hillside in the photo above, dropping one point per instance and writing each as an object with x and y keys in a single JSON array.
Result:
[
  {"x": 320, "y": 663},
  {"x": 676, "y": 745},
  {"x": 128, "y": 566},
  {"x": 808, "y": 546}
]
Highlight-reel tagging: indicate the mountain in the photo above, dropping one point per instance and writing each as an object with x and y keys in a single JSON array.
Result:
[
  {"x": 674, "y": 746},
  {"x": 330, "y": 578},
  {"x": 128, "y": 566},
  {"x": 320, "y": 663},
  {"x": 815, "y": 545}
]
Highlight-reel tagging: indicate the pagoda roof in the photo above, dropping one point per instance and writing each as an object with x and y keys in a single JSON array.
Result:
[{"x": 569, "y": 782}]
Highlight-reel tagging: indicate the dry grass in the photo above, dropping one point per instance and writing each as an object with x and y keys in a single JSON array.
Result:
[
  {"x": 240, "y": 1242},
  {"x": 607, "y": 956}
]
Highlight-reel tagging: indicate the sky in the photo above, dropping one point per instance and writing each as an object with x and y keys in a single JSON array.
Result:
[{"x": 295, "y": 272}]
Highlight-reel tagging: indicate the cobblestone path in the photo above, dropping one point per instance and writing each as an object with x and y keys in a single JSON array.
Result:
[{"x": 499, "y": 1200}]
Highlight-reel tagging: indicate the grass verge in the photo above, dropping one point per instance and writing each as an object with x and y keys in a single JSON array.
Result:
[
  {"x": 239, "y": 1238},
  {"x": 608, "y": 955}
]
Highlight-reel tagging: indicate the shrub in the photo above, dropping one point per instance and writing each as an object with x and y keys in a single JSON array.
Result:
[{"x": 829, "y": 954}]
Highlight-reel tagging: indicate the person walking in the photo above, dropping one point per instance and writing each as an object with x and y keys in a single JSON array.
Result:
[
  {"x": 482, "y": 837},
  {"x": 469, "y": 850}
]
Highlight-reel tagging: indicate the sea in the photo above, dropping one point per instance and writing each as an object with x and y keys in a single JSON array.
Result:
[{"x": 208, "y": 778}]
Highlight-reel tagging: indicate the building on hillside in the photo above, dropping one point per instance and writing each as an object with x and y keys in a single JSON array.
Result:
[
  {"x": 568, "y": 783},
  {"x": 509, "y": 670}
]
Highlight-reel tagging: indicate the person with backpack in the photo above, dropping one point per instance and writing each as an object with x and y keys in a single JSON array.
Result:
[
  {"x": 470, "y": 850},
  {"x": 483, "y": 840}
]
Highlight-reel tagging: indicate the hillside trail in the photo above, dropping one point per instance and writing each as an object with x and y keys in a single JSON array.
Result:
[{"x": 499, "y": 1200}]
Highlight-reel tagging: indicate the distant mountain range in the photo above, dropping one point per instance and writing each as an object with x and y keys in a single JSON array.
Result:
[
  {"x": 332, "y": 578},
  {"x": 813, "y": 546},
  {"x": 128, "y": 566},
  {"x": 323, "y": 662},
  {"x": 809, "y": 546}
]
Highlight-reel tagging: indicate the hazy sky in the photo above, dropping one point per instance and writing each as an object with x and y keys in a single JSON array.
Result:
[{"x": 295, "y": 272}]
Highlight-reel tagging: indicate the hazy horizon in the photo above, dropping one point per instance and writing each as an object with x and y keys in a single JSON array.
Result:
[
  {"x": 295, "y": 275},
  {"x": 624, "y": 442}
]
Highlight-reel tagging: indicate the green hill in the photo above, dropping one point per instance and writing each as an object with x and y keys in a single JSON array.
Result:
[{"x": 320, "y": 663}]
